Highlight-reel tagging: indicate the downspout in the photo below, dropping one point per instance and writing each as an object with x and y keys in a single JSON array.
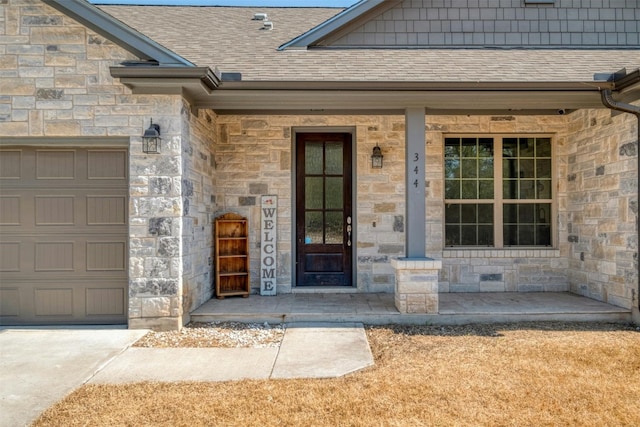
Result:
[{"x": 609, "y": 102}]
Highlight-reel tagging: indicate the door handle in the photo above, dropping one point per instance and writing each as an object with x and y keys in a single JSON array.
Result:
[{"x": 349, "y": 231}]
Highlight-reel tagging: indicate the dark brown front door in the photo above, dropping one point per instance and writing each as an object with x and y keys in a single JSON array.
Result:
[{"x": 324, "y": 232}]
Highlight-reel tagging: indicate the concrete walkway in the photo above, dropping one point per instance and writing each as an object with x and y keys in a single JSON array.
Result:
[
  {"x": 40, "y": 367},
  {"x": 308, "y": 350}
]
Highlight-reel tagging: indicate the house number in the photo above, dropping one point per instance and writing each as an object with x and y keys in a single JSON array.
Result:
[{"x": 416, "y": 170}]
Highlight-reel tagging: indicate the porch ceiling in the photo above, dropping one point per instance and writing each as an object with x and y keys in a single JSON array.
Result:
[{"x": 208, "y": 90}]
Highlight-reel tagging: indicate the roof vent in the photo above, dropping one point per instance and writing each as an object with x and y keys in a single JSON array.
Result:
[
  {"x": 267, "y": 25},
  {"x": 260, "y": 17}
]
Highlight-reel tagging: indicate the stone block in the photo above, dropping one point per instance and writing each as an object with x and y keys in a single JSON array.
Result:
[
  {"x": 158, "y": 324},
  {"x": 156, "y": 307},
  {"x": 17, "y": 86}
]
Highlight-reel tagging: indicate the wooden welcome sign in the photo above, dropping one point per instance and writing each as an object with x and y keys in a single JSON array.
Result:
[{"x": 268, "y": 236}]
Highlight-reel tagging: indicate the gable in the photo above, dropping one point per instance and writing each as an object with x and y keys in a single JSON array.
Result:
[
  {"x": 119, "y": 33},
  {"x": 483, "y": 23}
]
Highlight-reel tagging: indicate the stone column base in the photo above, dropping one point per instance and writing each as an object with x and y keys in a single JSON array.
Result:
[
  {"x": 416, "y": 289},
  {"x": 158, "y": 324}
]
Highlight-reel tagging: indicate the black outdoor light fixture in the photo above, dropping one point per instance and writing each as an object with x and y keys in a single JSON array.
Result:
[
  {"x": 376, "y": 158},
  {"x": 151, "y": 139}
]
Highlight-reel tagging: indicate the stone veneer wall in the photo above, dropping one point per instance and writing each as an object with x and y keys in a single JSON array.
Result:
[
  {"x": 198, "y": 202},
  {"x": 55, "y": 81},
  {"x": 493, "y": 270},
  {"x": 253, "y": 157},
  {"x": 602, "y": 206}
]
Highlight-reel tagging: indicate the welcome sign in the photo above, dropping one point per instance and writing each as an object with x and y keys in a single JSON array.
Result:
[{"x": 268, "y": 235}]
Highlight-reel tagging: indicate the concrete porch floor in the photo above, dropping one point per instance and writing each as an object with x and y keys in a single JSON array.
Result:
[{"x": 379, "y": 309}]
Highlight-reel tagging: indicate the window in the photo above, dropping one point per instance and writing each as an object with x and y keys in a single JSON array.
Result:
[{"x": 498, "y": 191}]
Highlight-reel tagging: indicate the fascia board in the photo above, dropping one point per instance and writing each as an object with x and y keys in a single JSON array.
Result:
[{"x": 119, "y": 33}]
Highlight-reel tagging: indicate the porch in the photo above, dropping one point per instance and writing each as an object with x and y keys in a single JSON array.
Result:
[{"x": 379, "y": 309}]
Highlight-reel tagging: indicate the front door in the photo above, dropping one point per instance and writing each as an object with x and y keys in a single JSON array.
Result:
[{"x": 324, "y": 231}]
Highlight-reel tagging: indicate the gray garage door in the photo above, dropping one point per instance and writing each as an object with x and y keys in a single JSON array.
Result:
[{"x": 63, "y": 235}]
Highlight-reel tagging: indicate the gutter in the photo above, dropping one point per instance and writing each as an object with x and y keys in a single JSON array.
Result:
[
  {"x": 210, "y": 78},
  {"x": 608, "y": 101},
  {"x": 388, "y": 85}
]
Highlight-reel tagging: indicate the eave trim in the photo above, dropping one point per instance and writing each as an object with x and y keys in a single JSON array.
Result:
[
  {"x": 204, "y": 74},
  {"x": 417, "y": 86}
]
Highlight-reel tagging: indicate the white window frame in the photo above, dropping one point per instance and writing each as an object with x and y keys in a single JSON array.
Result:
[{"x": 498, "y": 200}]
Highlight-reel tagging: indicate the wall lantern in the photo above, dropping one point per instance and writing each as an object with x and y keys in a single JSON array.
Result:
[
  {"x": 376, "y": 158},
  {"x": 151, "y": 139}
]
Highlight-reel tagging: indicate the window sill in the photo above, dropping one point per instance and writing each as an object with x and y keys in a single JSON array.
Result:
[{"x": 500, "y": 253}]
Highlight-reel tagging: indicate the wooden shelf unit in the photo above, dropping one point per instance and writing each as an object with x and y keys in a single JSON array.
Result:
[{"x": 232, "y": 256}]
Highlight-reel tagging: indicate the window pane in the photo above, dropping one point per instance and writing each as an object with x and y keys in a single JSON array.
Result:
[
  {"x": 543, "y": 168},
  {"x": 333, "y": 152},
  {"x": 334, "y": 199},
  {"x": 510, "y": 213},
  {"x": 468, "y": 235},
  {"x": 510, "y": 147},
  {"x": 510, "y": 189},
  {"x": 313, "y": 158},
  {"x": 452, "y": 189},
  {"x": 543, "y": 187},
  {"x": 527, "y": 189},
  {"x": 469, "y": 225},
  {"x": 510, "y": 235},
  {"x": 452, "y": 147},
  {"x": 510, "y": 168},
  {"x": 527, "y": 147},
  {"x": 452, "y": 168},
  {"x": 485, "y": 235},
  {"x": 525, "y": 213},
  {"x": 543, "y": 235},
  {"x": 334, "y": 228},
  {"x": 469, "y": 168},
  {"x": 469, "y": 147},
  {"x": 452, "y": 235},
  {"x": 468, "y": 214},
  {"x": 452, "y": 213},
  {"x": 470, "y": 189},
  {"x": 527, "y": 224},
  {"x": 485, "y": 147},
  {"x": 543, "y": 147},
  {"x": 527, "y": 168},
  {"x": 313, "y": 226},
  {"x": 486, "y": 189},
  {"x": 485, "y": 168},
  {"x": 525, "y": 235},
  {"x": 313, "y": 193},
  {"x": 543, "y": 211},
  {"x": 485, "y": 214}
]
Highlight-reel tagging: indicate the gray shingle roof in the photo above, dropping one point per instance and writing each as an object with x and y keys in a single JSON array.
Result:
[{"x": 228, "y": 38}]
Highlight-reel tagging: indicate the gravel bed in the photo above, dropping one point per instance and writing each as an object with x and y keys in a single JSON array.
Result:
[{"x": 216, "y": 334}]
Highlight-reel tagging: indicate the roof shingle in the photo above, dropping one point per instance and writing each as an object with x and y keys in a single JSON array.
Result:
[{"x": 228, "y": 38}]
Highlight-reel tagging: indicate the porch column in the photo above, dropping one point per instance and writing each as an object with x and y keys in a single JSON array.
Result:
[
  {"x": 416, "y": 287},
  {"x": 415, "y": 143}
]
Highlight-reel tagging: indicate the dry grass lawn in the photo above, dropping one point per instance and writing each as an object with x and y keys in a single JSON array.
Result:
[{"x": 502, "y": 375}]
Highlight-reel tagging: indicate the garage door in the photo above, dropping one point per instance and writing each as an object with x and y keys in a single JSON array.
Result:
[{"x": 63, "y": 235}]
